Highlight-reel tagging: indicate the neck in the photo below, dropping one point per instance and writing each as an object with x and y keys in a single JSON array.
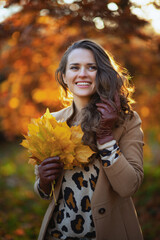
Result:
[{"x": 80, "y": 103}]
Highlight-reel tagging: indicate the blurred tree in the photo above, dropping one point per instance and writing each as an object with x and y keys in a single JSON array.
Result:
[{"x": 33, "y": 40}]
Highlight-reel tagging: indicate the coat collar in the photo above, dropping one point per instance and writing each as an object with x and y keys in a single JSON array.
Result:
[
  {"x": 68, "y": 112},
  {"x": 64, "y": 114}
]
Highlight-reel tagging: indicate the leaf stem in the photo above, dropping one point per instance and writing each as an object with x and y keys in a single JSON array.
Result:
[{"x": 52, "y": 192}]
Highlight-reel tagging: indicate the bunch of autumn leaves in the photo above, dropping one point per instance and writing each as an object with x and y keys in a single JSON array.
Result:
[{"x": 48, "y": 138}]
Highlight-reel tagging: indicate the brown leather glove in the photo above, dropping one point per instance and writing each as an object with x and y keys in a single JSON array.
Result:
[
  {"x": 49, "y": 170},
  {"x": 109, "y": 115}
]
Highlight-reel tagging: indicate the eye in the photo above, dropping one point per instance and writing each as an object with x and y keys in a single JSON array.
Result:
[
  {"x": 74, "y": 67},
  {"x": 92, "y": 68}
]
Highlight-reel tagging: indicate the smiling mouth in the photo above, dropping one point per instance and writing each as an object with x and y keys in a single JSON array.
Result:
[{"x": 83, "y": 83}]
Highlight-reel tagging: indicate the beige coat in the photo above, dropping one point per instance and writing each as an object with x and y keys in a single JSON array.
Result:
[{"x": 113, "y": 211}]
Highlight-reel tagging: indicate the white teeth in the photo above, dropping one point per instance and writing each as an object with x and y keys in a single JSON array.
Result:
[{"x": 83, "y": 83}]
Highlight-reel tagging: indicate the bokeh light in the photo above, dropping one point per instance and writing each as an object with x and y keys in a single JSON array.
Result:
[
  {"x": 98, "y": 22},
  {"x": 112, "y": 6}
]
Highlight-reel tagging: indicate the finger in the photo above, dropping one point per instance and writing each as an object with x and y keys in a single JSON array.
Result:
[
  {"x": 101, "y": 111},
  {"x": 116, "y": 105},
  {"x": 55, "y": 172},
  {"x": 106, "y": 101},
  {"x": 52, "y": 178},
  {"x": 104, "y": 114},
  {"x": 105, "y": 106},
  {"x": 53, "y": 166},
  {"x": 50, "y": 167},
  {"x": 109, "y": 103},
  {"x": 51, "y": 160}
]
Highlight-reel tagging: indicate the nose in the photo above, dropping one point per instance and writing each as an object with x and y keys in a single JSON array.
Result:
[{"x": 82, "y": 72}]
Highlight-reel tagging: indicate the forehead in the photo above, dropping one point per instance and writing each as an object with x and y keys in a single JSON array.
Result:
[{"x": 81, "y": 55}]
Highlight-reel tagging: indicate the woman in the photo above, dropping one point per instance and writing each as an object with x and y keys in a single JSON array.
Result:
[{"x": 95, "y": 202}]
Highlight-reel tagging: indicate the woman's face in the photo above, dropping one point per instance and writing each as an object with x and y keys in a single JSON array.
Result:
[{"x": 80, "y": 75}]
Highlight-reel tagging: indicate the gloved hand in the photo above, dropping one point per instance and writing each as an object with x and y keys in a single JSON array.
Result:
[
  {"x": 109, "y": 115},
  {"x": 49, "y": 170}
]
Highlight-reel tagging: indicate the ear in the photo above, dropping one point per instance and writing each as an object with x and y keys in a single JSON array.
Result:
[{"x": 64, "y": 79}]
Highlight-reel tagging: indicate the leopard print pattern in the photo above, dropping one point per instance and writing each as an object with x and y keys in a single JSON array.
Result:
[
  {"x": 110, "y": 154},
  {"x": 72, "y": 218}
]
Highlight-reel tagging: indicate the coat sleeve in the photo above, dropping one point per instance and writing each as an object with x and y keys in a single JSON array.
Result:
[
  {"x": 126, "y": 174},
  {"x": 37, "y": 181}
]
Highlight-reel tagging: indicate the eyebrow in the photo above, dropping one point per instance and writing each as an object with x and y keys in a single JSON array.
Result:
[{"x": 79, "y": 64}]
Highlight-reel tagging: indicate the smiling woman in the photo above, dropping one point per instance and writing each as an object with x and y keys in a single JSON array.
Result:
[{"x": 94, "y": 201}]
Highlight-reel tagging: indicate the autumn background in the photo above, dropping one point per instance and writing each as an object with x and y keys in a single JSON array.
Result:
[{"x": 32, "y": 41}]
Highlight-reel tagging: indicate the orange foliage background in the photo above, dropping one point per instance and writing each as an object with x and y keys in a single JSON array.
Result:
[{"x": 33, "y": 41}]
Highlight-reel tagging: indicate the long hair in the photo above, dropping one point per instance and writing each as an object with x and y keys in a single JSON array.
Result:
[{"x": 110, "y": 78}]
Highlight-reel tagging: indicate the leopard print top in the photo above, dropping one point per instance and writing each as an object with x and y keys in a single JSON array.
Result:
[{"x": 72, "y": 216}]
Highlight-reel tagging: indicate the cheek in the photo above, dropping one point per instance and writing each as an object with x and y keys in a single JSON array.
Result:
[
  {"x": 94, "y": 78},
  {"x": 67, "y": 77}
]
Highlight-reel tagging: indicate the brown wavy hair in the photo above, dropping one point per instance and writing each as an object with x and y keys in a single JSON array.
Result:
[{"x": 110, "y": 78}]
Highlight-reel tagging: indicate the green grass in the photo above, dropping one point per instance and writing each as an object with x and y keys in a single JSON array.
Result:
[
  {"x": 147, "y": 202},
  {"x": 21, "y": 211}
]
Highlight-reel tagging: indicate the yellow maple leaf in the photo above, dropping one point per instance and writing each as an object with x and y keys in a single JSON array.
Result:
[
  {"x": 82, "y": 153},
  {"x": 76, "y": 134},
  {"x": 48, "y": 115},
  {"x": 47, "y": 138},
  {"x": 25, "y": 143},
  {"x": 33, "y": 127},
  {"x": 67, "y": 158}
]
